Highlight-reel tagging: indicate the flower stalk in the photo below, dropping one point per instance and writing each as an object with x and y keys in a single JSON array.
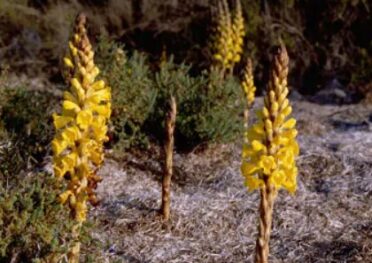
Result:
[
  {"x": 270, "y": 150},
  {"x": 170, "y": 124},
  {"x": 80, "y": 130},
  {"x": 249, "y": 90},
  {"x": 227, "y": 42}
]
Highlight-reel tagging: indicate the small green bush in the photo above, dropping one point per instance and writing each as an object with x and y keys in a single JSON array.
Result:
[
  {"x": 133, "y": 94},
  {"x": 209, "y": 108},
  {"x": 26, "y": 124},
  {"x": 33, "y": 225}
]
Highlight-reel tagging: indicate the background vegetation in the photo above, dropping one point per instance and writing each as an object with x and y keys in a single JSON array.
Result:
[
  {"x": 326, "y": 39},
  {"x": 147, "y": 50}
]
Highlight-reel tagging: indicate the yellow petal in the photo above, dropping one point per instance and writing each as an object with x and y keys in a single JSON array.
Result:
[
  {"x": 58, "y": 146},
  {"x": 103, "y": 110},
  {"x": 84, "y": 119},
  {"x": 68, "y": 96},
  {"x": 61, "y": 121},
  {"x": 267, "y": 163},
  {"x": 71, "y": 134},
  {"x": 287, "y": 110},
  {"x": 69, "y": 105},
  {"x": 98, "y": 85},
  {"x": 99, "y": 96},
  {"x": 69, "y": 161},
  {"x": 58, "y": 171},
  {"x": 81, "y": 211},
  {"x": 253, "y": 183},
  {"x": 258, "y": 146},
  {"x": 68, "y": 62},
  {"x": 77, "y": 89},
  {"x": 64, "y": 196},
  {"x": 248, "y": 168},
  {"x": 277, "y": 178}
]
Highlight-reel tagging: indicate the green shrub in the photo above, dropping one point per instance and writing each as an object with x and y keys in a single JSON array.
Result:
[
  {"x": 26, "y": 121},
  {"x": 133, "y": 95},
  {"x": 209, "y": 109},
  {"x": 32, "y": 222}
]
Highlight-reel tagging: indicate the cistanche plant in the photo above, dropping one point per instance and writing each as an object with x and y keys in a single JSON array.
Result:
[
  {"x": 170, "y": 122},
  {"x": 227, "y": 41},
  {"x": 249, "y": 90},
  {"x": 269, "y": 154},
  {"x": 81, "y": 129}
]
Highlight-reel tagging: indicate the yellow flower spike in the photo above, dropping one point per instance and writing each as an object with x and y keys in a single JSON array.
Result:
[
  {"x": 227, "y": 40},
  {"x": 275, "y": 168},
  {"x": 238, "y": 31},
  {"x": 80, "y": 129},
  {"x": 248, "y": 84},
  {"x": 249, "y": 90}
]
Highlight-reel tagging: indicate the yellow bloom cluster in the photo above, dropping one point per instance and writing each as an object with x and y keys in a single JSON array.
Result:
[
  {"x": 248, "y": 83},
  {"x": 271, "y": 148},
  {"x": 238, "y": 31},
  {"x": 229, "y": 35},
  {"x": 81, "y": 128}
]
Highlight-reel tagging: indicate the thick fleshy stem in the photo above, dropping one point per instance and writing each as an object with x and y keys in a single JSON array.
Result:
[
  {"x": 268, "y": 194},
  {"x": 168, "y": 151}
]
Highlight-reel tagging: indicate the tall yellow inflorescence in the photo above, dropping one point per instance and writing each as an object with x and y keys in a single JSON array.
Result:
[
  {"x": 249, "y": 91},
  {"x": 271, "y": 148},
  {"x": 248, "y": 84},
  {"x": 228, "y": 38},
  {"x": 81, "y": 128},
  {"x": 238, "y": 33},
  {"x": 222, "y": 41}
]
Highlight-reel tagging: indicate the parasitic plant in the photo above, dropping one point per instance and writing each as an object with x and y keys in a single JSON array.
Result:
[
  {"x": 170, "y": 123},
  {"x": 227, "y": 43},
  {"x": 222, "y": 40},
  {"x": 80, "y": 129},
  {"x": 249, "y": 90},
  {"x": 269, "y": 155},
  {"x": 238, "y": 33}
]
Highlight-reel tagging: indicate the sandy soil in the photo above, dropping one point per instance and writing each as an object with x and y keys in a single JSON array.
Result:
[{"x": 214, "y": 218}]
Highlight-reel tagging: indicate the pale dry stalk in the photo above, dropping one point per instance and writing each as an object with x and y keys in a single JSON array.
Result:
[{"x": 170, "y": 123}]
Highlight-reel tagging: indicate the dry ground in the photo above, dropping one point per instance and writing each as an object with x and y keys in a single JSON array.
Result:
[{"x": 214, "y": 218}]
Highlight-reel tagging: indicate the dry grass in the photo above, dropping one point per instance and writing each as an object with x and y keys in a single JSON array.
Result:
[{"x": 213, "y": 217}]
